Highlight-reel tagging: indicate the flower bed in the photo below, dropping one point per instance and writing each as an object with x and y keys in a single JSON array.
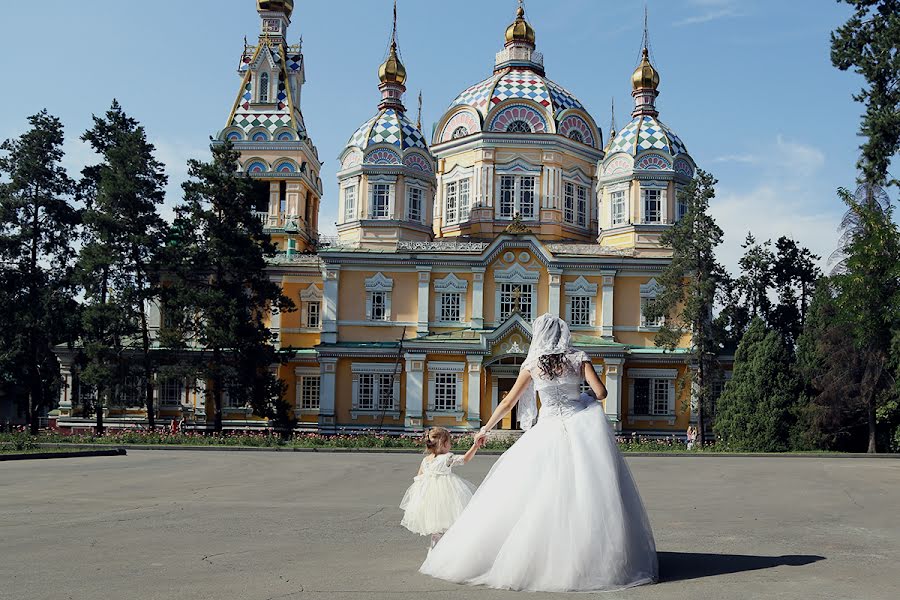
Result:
[{"x": 22, "y": 440}]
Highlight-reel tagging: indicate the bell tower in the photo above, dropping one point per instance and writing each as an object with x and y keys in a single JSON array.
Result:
[{"x": 266, "y": 126}]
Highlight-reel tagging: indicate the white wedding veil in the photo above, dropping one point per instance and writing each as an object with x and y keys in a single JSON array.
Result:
[{"x": 549, "y": 335}]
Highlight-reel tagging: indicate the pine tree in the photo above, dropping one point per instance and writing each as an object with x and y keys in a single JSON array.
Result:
[
  {"x": 794, "y": 274},
  {"x": 690, "y": 284},
  {"x": 756, "y": 277},
  {"x": 755, "y": 410},
  {"x": 868, "y": 44},
  {"x": 123, "y": 235},
  {"x": 218, "y": 291},
  {"x": 37, "y": 226}
]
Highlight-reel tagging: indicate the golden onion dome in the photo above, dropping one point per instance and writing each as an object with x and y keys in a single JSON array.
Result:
[
  {"x": 392, "y": 70},
  {"x": 285, "y": 6},
  {"x": 645, "y": 76},
  {"x": 520, "y": 30}
]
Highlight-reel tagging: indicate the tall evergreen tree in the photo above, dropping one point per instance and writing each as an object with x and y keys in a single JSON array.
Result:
[
  {"x": 689, "y": 285},
  {"x": 754, "y": 412},
  {"x": 794, "y": 274},
  {"x": 37, "y": 226},
  {"x": 123, "y": 235},
  {"x": 219, "y": 292},
  {"x": 867, "y": 43},
  {"x": 867, "y": 282},
  {"x": 756, "y": 277}
]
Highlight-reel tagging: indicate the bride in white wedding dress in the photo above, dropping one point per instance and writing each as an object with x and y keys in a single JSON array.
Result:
[{"x": 559, "y": 511}]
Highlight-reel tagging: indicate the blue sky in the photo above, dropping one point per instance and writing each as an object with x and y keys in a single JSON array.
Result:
[{"x": 747, "y": 85}]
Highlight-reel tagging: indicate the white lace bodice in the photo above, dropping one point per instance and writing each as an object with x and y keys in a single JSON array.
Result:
[
  {"x": 441, "y": 464},
  {"x": 561, "y": 396}
]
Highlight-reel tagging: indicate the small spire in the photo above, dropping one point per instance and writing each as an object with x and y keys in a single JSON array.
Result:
[
  {"x": 394, "y": 28},
  {"x": 612, "y": 121},
  {"x": 419, "y": 117},
  {"x": 645, "y": 41}
]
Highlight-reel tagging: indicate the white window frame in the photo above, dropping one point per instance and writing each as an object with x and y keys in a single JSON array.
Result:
[
  {"x": 451, "y": 284},
  {"x": 446, "y": 370},
  {"x": 379, "y": 284},
  {"x": 413, "y": 190},
  {"x": 648, "y": 292},
  {"x": 569, "y": 194},
  {"x": 659, "y": 379},
  {"x": 349, "y": 194},
  {"x": 581, "y": 288},
  {"x": 457, "y": 184},
  {"x": 517, "y": 275},
  {"x": 378, "y": 182},
  {"x": 618, "y": 199},
  {"x": 516, "y": 177},
  {"x": 575, "y": 201},
  {"x": 649, "y": 188},
  {"x": 302, "y": 375},
  {"x": 264, "y": 92},
  {"x": 681, "y": 207},
  {"x": 165, "y": 385},
  {"x": 380, "y": 372},
  {"x": 311, "y": 295}
]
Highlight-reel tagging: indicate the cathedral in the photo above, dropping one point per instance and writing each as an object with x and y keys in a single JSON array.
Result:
[{"x": 418, "y": 312}]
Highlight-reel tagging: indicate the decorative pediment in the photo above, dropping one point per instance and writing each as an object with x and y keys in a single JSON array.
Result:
[
  {"x": 379, "y": 283},
  {"x": 516, "y": 274},
  {"x": 581, "y": 287},
  {"x": 619, "y": 165},
  {"x": 515, "y": 324},
  {"x": 650, "y": 289},
  {"x": 311, "y": 294},
  {"x": 450, "y": 283},
  {"x": 518, "y": 166},
  {"x": 653, "y": 162}
]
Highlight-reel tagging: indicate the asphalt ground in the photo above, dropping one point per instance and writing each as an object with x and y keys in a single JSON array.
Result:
[{"x": 290, "y": 526}]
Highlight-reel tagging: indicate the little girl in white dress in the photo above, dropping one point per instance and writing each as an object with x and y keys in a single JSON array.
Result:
[{"x": 437, "y": 496}]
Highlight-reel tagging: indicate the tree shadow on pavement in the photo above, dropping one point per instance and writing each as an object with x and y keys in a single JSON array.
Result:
[{"x": 678, "y": 566}]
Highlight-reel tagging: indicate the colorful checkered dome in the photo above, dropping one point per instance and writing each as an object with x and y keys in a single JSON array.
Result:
[
  {"x": 389, "y": 126},
  {"x": 517, "y": 84},
  {"x": 646, "y": 133}
]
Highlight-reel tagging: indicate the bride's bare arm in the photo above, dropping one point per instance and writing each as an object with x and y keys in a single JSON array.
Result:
[
  {"x": 590, "y": 375},
  {"x": 507, "y": 404}
]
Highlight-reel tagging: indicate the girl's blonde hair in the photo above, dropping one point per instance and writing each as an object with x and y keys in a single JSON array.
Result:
[{"x": 435, "y": 438}]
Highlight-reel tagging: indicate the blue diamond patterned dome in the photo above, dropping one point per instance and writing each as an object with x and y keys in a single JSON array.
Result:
[
  {"x": 517, "y": 84},
  {"x": 389, "y": 127},
  {"x": 646, "y": 133}
]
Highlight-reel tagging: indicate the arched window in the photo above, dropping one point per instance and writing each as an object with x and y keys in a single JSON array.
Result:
[
  {"x": 460, "y": 132},
  {"x": 576, "y": 135},
  {"x": 263, "y": 88},
  {"x": 518, "y": 126}
]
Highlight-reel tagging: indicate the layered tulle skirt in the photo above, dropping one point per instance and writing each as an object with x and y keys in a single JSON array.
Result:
[
  {"x": 559, "y": 511},
  {"x": 434, "y": 501}
]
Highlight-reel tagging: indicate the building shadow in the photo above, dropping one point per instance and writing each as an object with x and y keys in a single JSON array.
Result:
[{"x": 679, "y": 566}]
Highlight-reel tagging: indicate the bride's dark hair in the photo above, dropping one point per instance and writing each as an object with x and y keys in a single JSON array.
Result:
[{"x": 552, "y": 365}]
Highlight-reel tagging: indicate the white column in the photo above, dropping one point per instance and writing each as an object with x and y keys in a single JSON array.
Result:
[
  {"x": 424, "y": 303},
  {"x": 275, "y": 326},
  {"x": 65, "y": 390},
  {"x": 614, "y": 369},
  {"x": 327, "y": 389},
  {"x": 555, "y": 282},
  {"x": 606, "y": 305},
  {"x": 478, "y": 297},
  {"x": 415, "y": 391},
  {"x": 331, "y": 276},
  {"x": 473, "y": 364}
]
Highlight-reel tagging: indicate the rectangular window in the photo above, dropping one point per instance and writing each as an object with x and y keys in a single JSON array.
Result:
[
  {"x": 580, "y": 310},
  {"x": 569, "y": 203},
  {"x": 645, "y": 321},
  {"x": 451, "y": 304},
  {"x": 652, "y": 206},
  {"x": 350, "y": 203},
  {"x": 385, "y": 392},
  {"x": 465, "y": 206},
  {"x": 379, "y": 306},
  {"x": 452, "y": 202},
  {"x": 367, "y": 391},
  {"x": 651, "y": 397},
  {"x": 381, "y": 201},
  {"x": 313, "y": 315},
  {"x": 581, "y": 208},
  {"x": 132, "y": 391},
  {"x": 282, "y": 197},
  {"x": 170, "y": 390},
  {"x": 310, "y": 387},
  {"x": 526, "y": 197},
  {"x": 516, "y": 297},
  {"x": 681, "y": 209},
  {"x": 445, "y": 386},
  {"x": 507, "y": 196},
  {"x": 617, "y": 204},
  {"x": 414, "y": 204}
]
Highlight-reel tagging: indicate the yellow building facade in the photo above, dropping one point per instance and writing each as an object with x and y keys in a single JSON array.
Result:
[{"x": 418, "y": 312}]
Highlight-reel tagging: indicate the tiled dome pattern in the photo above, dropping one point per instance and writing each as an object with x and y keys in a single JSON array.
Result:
[
  {"x": 517, "y": 84},
  {"x": 646, "y": 133},
  {"x": 389, "y": 127}
]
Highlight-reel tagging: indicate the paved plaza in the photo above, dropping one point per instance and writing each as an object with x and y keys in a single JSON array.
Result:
[{"x": 193, "y": 525}]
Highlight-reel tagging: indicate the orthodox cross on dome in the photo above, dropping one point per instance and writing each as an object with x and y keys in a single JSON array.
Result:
[
  {"x": 419, "y": 116},
  {"x": 392, "y": 74},
  {"x": 612, "y": 120},
  {"x": 645, "y": 79}
]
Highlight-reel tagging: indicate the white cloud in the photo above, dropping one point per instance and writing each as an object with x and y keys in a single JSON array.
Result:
[{"x": 710, "y": 10}]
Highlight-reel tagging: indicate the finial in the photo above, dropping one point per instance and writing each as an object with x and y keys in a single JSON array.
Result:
[
  {"x": 419, "y": 117},
  {"x": 394, "y": 29},
  {"x": 520, "y": 12},
  {"x": 612, "y": 121},
  {"x": 645, "y": 42}
]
